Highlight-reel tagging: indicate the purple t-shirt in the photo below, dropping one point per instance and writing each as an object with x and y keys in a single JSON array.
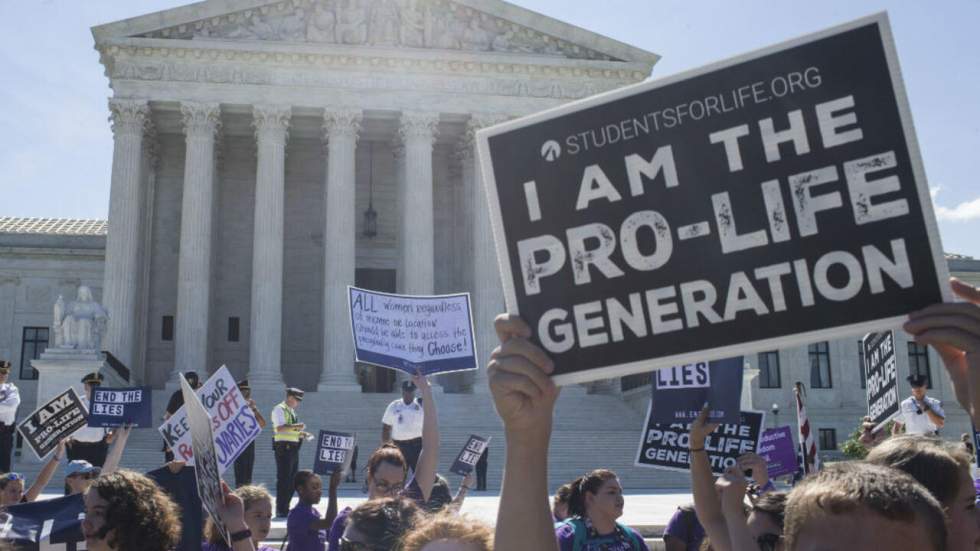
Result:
[
  {"x": 298, "y": 529},
  {"x": 205, "y": 546},
  {"x": 684, "y": 525},
  {"x": 565, "y": 533},
  {"x": 337, "y": 530}
]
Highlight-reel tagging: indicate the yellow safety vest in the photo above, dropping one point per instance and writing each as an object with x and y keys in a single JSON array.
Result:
[{"x": 290, "y": 417}]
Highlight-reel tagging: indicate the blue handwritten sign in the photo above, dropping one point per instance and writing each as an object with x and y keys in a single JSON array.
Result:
[
  {"x": 333, "y": 451},
  {"x": 115, "y": 407},
  {"x": 433, "y": 334},
  {"x": 681, "y": 391}
]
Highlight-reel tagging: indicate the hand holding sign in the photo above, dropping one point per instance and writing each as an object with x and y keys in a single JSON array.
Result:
[
  {"x": 518, "y": 372},
  {"x": 954, "y": 331},
  {"x": 700, "y": 429}
]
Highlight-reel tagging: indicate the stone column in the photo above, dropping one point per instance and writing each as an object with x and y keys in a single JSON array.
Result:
[
  {"x": 488, "y": 294},
  {"x": 120, "y": 287},
  {"x": 340, "y": 130},
  {"x": 418, "y": 132},
  {"x": 201, "y": 122},
  {"x": 265, "y": 341}
]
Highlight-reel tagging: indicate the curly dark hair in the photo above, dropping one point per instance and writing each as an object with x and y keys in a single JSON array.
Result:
[
  {"x": 141, "y": 514},
  {"x": 385, "y": 521}
]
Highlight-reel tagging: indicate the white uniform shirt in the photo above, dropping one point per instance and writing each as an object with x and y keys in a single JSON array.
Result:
[
  {"x": 405, "y": 419},
  {"x": 89, "y": 434},
  {"x": 9, "y": 400},
  {"x": 919, "y": 423}
]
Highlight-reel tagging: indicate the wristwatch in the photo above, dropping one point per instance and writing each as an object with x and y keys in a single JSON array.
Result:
[{"x": 239, "y": 536}]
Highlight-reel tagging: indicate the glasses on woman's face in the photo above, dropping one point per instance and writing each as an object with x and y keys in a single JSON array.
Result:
[
  {"x": 387, "y": 488},
  {"x": 768, "y": 542}
]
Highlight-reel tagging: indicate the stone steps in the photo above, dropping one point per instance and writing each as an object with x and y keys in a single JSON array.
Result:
[{"x": 600, "y": 431}]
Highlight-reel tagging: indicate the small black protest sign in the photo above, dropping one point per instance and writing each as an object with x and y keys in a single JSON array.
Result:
[
  {"x": 881, "y": 374},
  {"x": 771, "y": 200},
  {"x": 47, "y": 524},
  {"x": 679, "y": 392},
  {"x": 59, "y": 418},
  {"x": 470, "y": 454},
  {"x": 667, "y": 446},
  {"x": 333, "y": 451}
]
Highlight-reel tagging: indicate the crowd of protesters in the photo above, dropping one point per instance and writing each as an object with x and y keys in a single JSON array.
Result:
[{"x": 913, "y": 490}]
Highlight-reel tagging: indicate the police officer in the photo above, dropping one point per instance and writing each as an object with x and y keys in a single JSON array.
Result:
[
  {"x": 245, "y": 462},
  {"x": 401, "y": 424},
  {"x": 921, "y": 414},
  {"x": 286, "y": 441},
  {"x": 90, "y": 443},
  {"x": 9, "y": 400}
]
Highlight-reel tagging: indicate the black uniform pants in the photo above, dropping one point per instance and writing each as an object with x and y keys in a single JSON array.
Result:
[
  {"x": 481, "y": 471},
  {"x": 411, "y": 450},
  {"x": 244, "y": 466},
  {"x": 287, "y": 463},
  {"x": 93, "y": 452},
  {"x": 6, "y": 447}
]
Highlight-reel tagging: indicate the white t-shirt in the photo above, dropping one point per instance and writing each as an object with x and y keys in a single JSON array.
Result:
[
  {"x": 919, "y": 423},
  {"x": 89, "y": 434},
  {"x": 405, "y": 419},
  {"x": 9, "y": 400}
]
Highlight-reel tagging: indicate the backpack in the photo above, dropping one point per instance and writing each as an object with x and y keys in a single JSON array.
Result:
[{"x": 581, "y": 534}]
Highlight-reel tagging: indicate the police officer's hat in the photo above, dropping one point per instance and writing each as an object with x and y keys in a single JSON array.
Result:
[
  {"x": 93, "y": 378},
  {"x": 408, "y": 386},
  {"x": 295, "y": 393},
  {"x": 916, "y": 380},
  {"x": 243, "y": 385}
]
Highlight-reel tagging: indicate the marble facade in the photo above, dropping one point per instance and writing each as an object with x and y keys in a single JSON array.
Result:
[{"x": 239, "y": 172}]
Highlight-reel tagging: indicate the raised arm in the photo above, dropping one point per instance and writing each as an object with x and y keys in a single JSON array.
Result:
[
  {"x": 425, "y": 469},
  {"x": 258, "y": 414},
  {"x": 464, "y": 487},
  {"x": 326, "y": 522},
  {"x": 731, "y": 489},
  {"x": 954, "y": 331},
  {"x": 44, "y": 477},
  {"x": 706, "y": 502},
  {"x": 114, "y": 456},
  {"x": 232, "y": 513},
  {"x": 524, "y": 396}
]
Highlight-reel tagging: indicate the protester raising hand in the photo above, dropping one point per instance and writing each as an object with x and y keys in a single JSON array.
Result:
[
  {"x": 731, "y": 488},
  {"x": 524, "y": 395},
  {"x": 707, "y": 504},
  {"x": 232, "y": 513},
  {"x": 953, "y": 329}
]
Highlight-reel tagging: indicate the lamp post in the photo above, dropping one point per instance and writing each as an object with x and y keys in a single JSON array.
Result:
[{"x": 775, "y": 415}]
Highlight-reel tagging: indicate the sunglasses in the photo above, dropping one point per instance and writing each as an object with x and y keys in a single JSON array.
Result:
[{"x": 10, "y": 477}]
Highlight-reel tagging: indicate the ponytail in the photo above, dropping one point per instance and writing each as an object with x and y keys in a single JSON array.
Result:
[{"x": 591, "y": 483}]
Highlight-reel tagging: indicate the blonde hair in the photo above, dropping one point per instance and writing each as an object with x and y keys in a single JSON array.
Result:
[
  {"x": 852, "y": 486},
  {"x": 449, "y": 527},
  {"x": 250, "y": 495}
]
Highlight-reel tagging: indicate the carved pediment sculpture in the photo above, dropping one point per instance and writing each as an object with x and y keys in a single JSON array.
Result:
[{"x": 438, "y": 24}]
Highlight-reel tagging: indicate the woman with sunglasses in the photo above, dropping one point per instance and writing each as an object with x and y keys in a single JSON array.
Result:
[
  {"x": 720, "y": 504},
  {"x": 12, "y": 484},
  {"x": 387, "y": 470}
]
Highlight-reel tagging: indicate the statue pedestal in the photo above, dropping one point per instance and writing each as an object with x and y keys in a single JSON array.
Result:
[{"x": 61, "y": 368}]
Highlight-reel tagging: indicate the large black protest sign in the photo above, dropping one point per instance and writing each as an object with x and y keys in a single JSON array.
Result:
[
  {"x": 333, "y": 451},
  {"x": 59, "y": 418},
  {"x": 466, "y": 460},
  {"x": 667, "y": 446},
  {"x": 206, "y": 466},
  {"x": 46, "y": 524},
  {"x": 770, "y": 200},
  {"x": 115, "y": 407},
  {"x": 881, "y": 374},
  {"x": 679, "y": 392}
]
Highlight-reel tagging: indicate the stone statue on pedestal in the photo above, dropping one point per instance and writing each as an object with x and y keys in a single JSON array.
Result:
[{"x": 79, "y": 324}]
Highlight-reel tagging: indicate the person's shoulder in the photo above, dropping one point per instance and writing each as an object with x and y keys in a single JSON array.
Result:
[
  {"x": 639, "y": 538},
  {"x": 935, "y": 401}
]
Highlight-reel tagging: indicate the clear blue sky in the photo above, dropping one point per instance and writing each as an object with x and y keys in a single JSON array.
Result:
[{"x": 56, "y": 147}]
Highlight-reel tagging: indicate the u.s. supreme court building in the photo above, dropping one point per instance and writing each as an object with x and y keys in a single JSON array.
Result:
[{"x": 267, "y": 154}]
